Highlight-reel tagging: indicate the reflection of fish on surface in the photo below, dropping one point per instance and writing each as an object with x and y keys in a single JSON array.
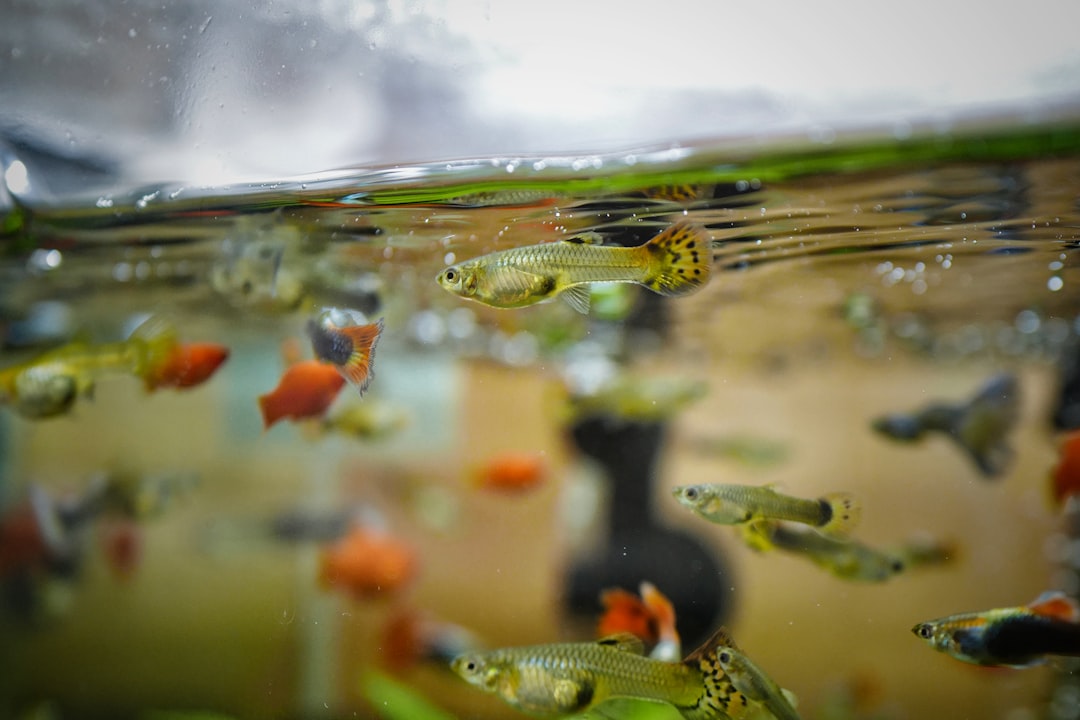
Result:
[
  {"x": 749, "y": 451},
  {"x": 366, "y": 563},
  {"x": 751, "y": 681},
  {"x": 1065, "y": 477},
  {"x": 252, "y": 273},
  {"x": 848, "y": 559},
  {"x": 410, "y": 637},
  {"x": 511, "y": 472},
  {"x": 1016, "y": 637},
  {"x": 560, "y": 679},
  {"x": 834, "y": 514},
  {"x": 650, "y": 618},
  {"x": 677, "y": 261},
  {"x": 979, "y": 426},
  {"x": 349, "y": 348}
]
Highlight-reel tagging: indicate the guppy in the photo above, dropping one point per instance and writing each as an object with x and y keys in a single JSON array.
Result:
[
  {"x": 677, "y": 261},
  {"x": 553, "y": 681},
  {"x": 834, "y": 514}
]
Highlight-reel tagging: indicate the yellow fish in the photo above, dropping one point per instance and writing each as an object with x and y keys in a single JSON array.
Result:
[
  {"x": 752, "y": 682},
  {"x": 834, "y": 514},
  {"x": 847, "y": 559},
  {"x": 553, "y": 681},
  {"x": 678, "y": 261},
  {"x": 49, "y": 385}
]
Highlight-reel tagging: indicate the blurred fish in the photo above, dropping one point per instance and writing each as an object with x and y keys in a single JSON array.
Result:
[
  {"x": 755, "y": 452},
  {"x": 121, "y": 545},
  {"x": 1065, "y": 477},
  {"x": 651, "y": 618},
  {"x": 409, "y": 637},
  {"x": 1016, "y": 637},
  {"x": 306, "y": 390},
  {"x": 186, "y": 365},
  {"x": 752, "y": 682},
  {"x": 847, "y": 559},
  {"x": 512, "y": 472},
  {"x": 557, "y": 680},
  {"x": 923, "y": 551},
  {"x": 636, "y": 398},
  {"x": 48, "y": 386},
  {"x": 252, "y": 274},
  {"x": 677, "y": 261},
  {"x": 686, "y": 192},
  {"x": 351, "y": 349},
  {"x": 834, "y": 514},
  {"x": 369, "y": 420},
  {"x": 980, "y": 426},
  {"x": 366, "y": 563}
]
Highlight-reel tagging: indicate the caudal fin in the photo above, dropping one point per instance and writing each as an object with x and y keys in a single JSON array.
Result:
[
  {"x": 719, "y": 699},
  {"x": 680, "y": 260},
  {"x": 844, "y": 514},
  {"x": 351, "y": 349}
]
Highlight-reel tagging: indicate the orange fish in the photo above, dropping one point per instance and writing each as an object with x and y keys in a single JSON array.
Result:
[
  {"x": 1065, "y": 478},
  {"x": 366, "y": 563},
  {"x": 186, "y": 365},
  {"x": 121, "y": 543},
  {"x": 305, "y": 390},
  {"x": 351, "y": 349},
  {"x": 512, "y": 472},
  {"x": 652, "y": 618}
]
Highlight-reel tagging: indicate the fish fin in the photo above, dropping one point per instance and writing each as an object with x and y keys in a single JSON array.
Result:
[
  {"x": 708, "y": 649},
  {"x": 270, "y": 409},
  {"x": 359, "y": 369},
  {"x": 844, "y": 514},
  {"x": 624, "y": 642},
  {"x": 578, "y": 297},
  {"x": 154, "y": 340},
  {"x": 680, "y": 260},
  {"x": 662, "y": 610},
  {"x": 757, "y": 535},
  {"x": 589, "y": 237},
  {"x": 718, "y": 689},
  {"x": 1056, "y": 604},
  {"x": 792, "y": 698},
  {"x": 992, "y": 461}
]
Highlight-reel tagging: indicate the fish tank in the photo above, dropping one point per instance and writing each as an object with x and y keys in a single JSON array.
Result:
[{"x": 425, "y": 360}]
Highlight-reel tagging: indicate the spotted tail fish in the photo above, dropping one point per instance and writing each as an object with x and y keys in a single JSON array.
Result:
[
  {"x": 562, "y": 679},
  {"x": 677, "y": 261}
]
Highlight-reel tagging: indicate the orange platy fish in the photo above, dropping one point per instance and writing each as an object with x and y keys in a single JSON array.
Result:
[
  {"x": 1016, "y": 637},
  {"x": 305, "y": 390},
  {"x": 366, "y": 563},
  {"x": 1065, "y": 478},
  {"x": 512, "y": 472},
  {"x": 350, "y": 348},
  {"x": 186, "y": 365},
  {"x": 650, "y": 618}
]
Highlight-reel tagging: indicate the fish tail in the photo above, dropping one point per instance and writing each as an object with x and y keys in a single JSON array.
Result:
[
  {"x": 272, "y": 409},
  {"x": 842, "y": 514},
  {"x": 669, "y": 645},
  {"x": 719, "y": 699},
  {"x": 680, "y": 260},
  {"x": 151, "y": 344},
  {"x": 351, "y": 349}
]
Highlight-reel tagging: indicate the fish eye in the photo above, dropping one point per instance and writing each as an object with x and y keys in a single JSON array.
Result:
[
  {"x": 725, "y": 657},
  {"x": 450, "y": 275},
  {"x": 690, "y": 493},
  {"x": 924, "y": 631}
]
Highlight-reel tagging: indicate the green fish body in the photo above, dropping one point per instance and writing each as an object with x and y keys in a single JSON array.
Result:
[
  {"x": 553, "y": 681},
  {"x": 835, "y": 514},
  {"x": 675, "y": 262},
  {"x": 752, "y": 682},
  {"x": 847, "y": 559}
]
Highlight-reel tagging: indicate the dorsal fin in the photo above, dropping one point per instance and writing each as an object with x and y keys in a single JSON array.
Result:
[
  {"x": 1056, "y": 604},
  {"x": 720, "y": 638},
  {"x": 624, "y": 642},
  {"x": 589, "y": 237}
]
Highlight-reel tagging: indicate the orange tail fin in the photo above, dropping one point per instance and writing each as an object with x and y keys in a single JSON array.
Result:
[{"x": 351, "y": 349}]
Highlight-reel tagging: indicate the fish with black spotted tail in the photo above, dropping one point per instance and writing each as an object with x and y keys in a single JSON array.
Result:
[
  {"x": 562, "y": 679},
  {"x": 677, "y": 261}
]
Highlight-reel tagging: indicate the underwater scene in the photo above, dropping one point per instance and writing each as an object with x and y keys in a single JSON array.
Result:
[{"x": 783, "y": 429}]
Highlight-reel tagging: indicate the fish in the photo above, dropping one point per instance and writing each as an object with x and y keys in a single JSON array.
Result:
[
  {"x": 48, "y": 386},
  {"x": 187, "y": 365},
  {"x": 677, "y": 261},
  {"x": 651, "y": 618},
  {"x": 367, "y": 420},
  {"x": 366, "y": 563},
  {"x": 644, "y": 398},
  {"x": 512, "y": 472},
  {"x": 350, "y": 349},
  {"x": 410, "y": 636},
  {"x": 751, "y": 681},
  {"x": 834, "y": 514},
  {"x": 1065, "y": 477},
  {"x": 306, "y": 390},
  {"x": 121, "y": 545},
  {"x": 561, "y": 679},
  {"x": 847, "y": 559},
  {"x": 979, "y": 426},
  {"x": 1015, "y": 637}
]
